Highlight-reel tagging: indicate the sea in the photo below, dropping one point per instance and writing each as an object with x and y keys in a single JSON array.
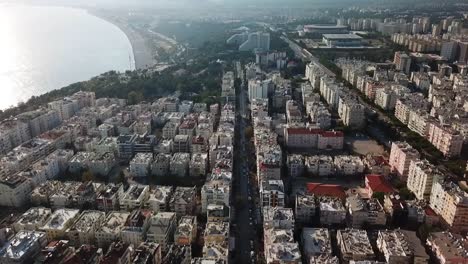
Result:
[{"x": 43, "y": 48}]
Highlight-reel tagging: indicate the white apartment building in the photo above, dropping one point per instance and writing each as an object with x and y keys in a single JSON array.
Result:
[
  {"x": 354, "y": 245},
  {"x": 258, "y": 89},
  {"x": 351, "y": 112},
  {"x": 15, "y": 191},
  {"x": 82, "y": 232},
  {"x": 295, "y": 165},
  {"x": 278, "y": 218},
  {"x": 385, "y": 98},
  {"x": 140, "y": 165},
  {"x": 272, "y": 193},
  {"x": 316, "y": 242},
  {"x": 162, "y": 228},
  {"x": 331, "y": 211},
  {"x": 186, "y": 231},
  {"x": 33, "y": 219},
  {"x": 450, "y": 202},
  {"x": 363, "y": 212},
  {"x": 170, "y": 130},
  {"x": 135, "y": 197},
  {"x": 198, "y": 164},
  {"x": 320, "y": 165},
  {"x": 421, "y": 177},
  {"x": 161, "y": 164},
  {"x": 179, "y": 165},
  {"x": 305, "y": 208},
  {"x": 136, "y": 227},
  {"x": 12, "y": 134},
  {"x": 401, "y": 246},
  {"x": 183, "y": 201},
  {"x": 418, "y": 121},
  {"x": 109, "y": 230},
  {"x": 159, "y": 198},
  {"x": 23, "y": 247},
  {"x": 59, "y": 222},
  {"x": 348, "y": 165}
]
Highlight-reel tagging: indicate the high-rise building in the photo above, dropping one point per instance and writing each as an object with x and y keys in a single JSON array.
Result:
[
  {"x": 402, "y": 62},
  {"x": 256, "y": 41}
]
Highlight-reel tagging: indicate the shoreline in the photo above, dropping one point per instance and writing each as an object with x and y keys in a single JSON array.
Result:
[{"x": 142, "y": 55}]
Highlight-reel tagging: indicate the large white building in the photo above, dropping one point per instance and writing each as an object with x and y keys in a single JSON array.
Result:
[
  {"x": 109, "y": 230},
  {"x": 421, "y": 176},
  {"x": 82, "y": 232},
  {"x": 256, "y": 41},
  {"x": 140, "y": 165},
  {"x": 162, "y": 228},
  {"x": 33, "y": 219},
  {"x": 258, "y": 89},
  {"x": 59, "y": 222}
]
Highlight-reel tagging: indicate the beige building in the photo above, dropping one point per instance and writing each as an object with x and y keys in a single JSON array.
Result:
[
  {"x": 451, "y": 203},
  {"x": 449, "y": 248}
]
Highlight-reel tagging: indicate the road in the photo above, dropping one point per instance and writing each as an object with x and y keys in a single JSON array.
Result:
[
  {"x": 245, "y": 229},
  {"x": 305, "y": 55}
]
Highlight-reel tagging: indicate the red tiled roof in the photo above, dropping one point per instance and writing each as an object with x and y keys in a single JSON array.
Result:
[
  {"x": 428, "y": 210},
  {"x": 377, "y": 183},
  {"x": 330, "y": 190},
  {"x": 301, "y": 130},
  {"x": 380, "y": 160},
  {"x": 332, "y": 134}
]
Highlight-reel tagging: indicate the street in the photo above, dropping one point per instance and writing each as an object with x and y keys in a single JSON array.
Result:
[{"x": 246, "y": 244}]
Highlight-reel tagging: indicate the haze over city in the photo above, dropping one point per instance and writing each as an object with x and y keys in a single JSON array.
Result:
[{"x": 233, "y": 131}]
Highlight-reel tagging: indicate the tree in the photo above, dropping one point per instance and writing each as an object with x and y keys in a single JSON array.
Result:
[
  {"x": 134, "y": 97},
  {"x": 379, "y": 196},
  {"x": 87, "y": 176},
  {"x": 121, "y": 177},
  {"x": 248, "y": 132}
]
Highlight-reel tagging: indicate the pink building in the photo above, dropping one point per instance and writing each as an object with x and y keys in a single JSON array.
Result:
[
  {"x": 401, "y": 156},
  {"x": 446, "y": 139}
]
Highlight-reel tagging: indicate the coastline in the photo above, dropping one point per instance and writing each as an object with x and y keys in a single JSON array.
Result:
[{"x": 142, "y": 54}]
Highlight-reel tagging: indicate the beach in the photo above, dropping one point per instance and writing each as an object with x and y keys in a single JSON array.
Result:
[{"x": 141, "y": 52}]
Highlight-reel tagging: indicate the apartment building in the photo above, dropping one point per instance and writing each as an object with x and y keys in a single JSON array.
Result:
[
  {"x": 186, "y": 231},
  {"x": 296, "y": 166},
  {"x": 401, "y": 246},
  {"x": 23, "y": 247},
  {"x": 179, "y": 164},
  {"x": 183, "y": 201},
  {"x": 450, "y": 202},
  {"x": 401, "y": 155},
  {"x": 110, "y": 228},
  {"x": 316, "y": 242},
  {"x": 421, "y": 177},
  {"x": 305, "y": 208},
  {"x": 135, "y": 197},
  {"x": 58, "y": 223},
  {"x": 33, "y": 219},
  {"x": 365, "y": 212},
  {"x": 446, "y": 139},
  {"x": 448, "y": 247},
  {"x": 159, "y": 198},
  {"x": 354, "y": 245},
  {"x": 140, "y": 165},
  {"x": 136, "y": 227},
  {"x": 83, "y": 230},
  {"x": 162, "y": 228},
  {"x": 331, "y": 211}
]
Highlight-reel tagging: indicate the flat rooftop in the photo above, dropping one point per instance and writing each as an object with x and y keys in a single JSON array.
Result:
[{"x": 342, "y": 36}]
